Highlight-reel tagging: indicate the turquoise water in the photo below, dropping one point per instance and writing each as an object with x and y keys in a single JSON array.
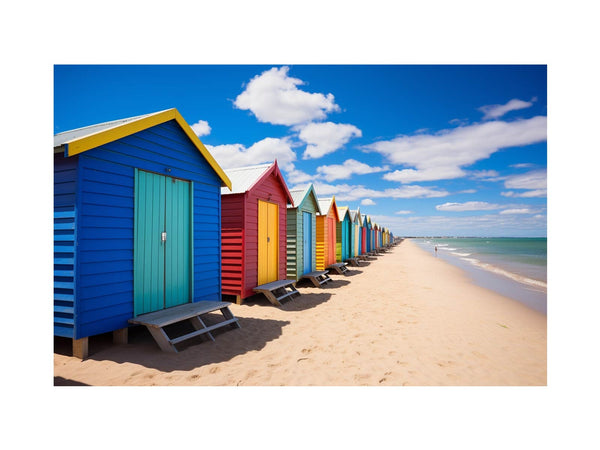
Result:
[{"x": 515, "y": 267}]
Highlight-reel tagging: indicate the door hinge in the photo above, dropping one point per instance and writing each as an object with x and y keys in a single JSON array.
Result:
[{"x": 163, "y": 236}]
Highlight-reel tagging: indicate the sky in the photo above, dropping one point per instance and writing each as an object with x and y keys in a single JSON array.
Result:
[{"x": 425, "y": 150}]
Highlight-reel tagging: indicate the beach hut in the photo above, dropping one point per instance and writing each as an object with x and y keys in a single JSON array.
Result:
[
  {"x": 368, "y": 233},
  {"x": 357, "y": 233},
  {"x": 253, "y": 229},
  {"x": 302, "y": 232},
  {"x": 363, "y": 235},
  {"x": 136, "y": 224},
  {"x": 343, "y": 236},
  {"x": 326, "y": 233}
]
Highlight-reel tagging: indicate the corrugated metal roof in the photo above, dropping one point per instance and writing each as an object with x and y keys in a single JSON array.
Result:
[
  {"x": 67, "y": 136},
  {"x": 298, "y": 195},
  {"x": 324, "y": 204},
  {"x": 342, "y": 212},
  {"x": 242, "y": 178}
]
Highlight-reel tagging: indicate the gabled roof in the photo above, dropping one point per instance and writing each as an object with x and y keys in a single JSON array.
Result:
[
  {"x": 356, "y": 216},
  {"x": 80, "y": 140},
  {"x": 342, "y": 212},
  {"x": 300, "y": 195},
  {"x": 245, "y": 178},
  {"x": 326, "y": 204}
]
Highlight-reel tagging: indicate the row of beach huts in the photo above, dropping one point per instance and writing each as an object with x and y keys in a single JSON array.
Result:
[{"x": 150, "y": 230}]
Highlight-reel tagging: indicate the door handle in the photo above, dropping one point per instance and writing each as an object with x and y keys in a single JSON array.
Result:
[{"x": 163, "y": 236}]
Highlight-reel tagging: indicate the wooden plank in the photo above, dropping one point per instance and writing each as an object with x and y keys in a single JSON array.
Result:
[
  {"x": 80, "y": 348},
  {"x": 177, "y": 313},
  {"x": 179, "y": 339}
]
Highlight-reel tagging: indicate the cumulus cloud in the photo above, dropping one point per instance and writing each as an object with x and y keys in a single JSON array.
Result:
[
  {"x": 443, "y": 155},
  {"x": 517, "y": 211},
  {"x": 274, "y": 97},
  {"x": 295, "y": 176},
  {"x": 326, "y": 137},
  {"x": 468, "y": 206},
  {"x": 367, "y": 202},
  {"x": 264, "y": 151},
  {"x": 522, "y": 165},
  {"x": 347, "y": 169},
  {"x": 470, "y": 225},
  {"x": 346, "y": 192},
  {"x": 201, "y": 128},
  {"x": 496, "y": 111},
  {"x": 534, "y": 183}
]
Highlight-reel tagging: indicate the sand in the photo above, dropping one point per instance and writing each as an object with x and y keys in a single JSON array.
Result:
[{"x": 405, "y": 319}]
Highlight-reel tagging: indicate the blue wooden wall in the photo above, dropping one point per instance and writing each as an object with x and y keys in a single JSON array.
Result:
[
  {"x": 104, "y": 264},
  {"x": 65, "y": 185}
]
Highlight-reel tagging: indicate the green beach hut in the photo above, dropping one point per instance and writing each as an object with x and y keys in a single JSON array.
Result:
[{"x": 302, "y": 232}]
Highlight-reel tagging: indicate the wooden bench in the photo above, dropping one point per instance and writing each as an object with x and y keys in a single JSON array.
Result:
[
  {"x": 338, "y": 268},
  {"x": 277, "y": 290},
  {"x": 318, "y": 278},
  {"x": 354, "y": 261},
  {"x": 156, "y": 321}
]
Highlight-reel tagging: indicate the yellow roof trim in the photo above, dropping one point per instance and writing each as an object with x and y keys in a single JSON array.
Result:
[{"x": 91, "y": 141}]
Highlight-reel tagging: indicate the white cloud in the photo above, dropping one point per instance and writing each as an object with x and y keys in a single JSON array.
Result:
[
  {"x": 492, "y": 174},
  {"x": 437, "y": 173},
  {"x": 367, "y": 202},
  {"x": 534, "y": 181},
  {"x": 467, "y": 191},
  {"x": 273, "y": 97},
  {"x": 404, "y": 212},
  {"x": 496, "y": 111},
  {"x": 527, "y": 194},
  {"x": 522, "y": 165},
  {"x": 326, "y": 137},
  {"x": 264, "y": 151},
  {"x": 442, "y": 155},
  {"x": 468, "y": 206},
  {"x": 517, "y": 211},
  {"x": 481, "y": 225},
  {"x": 347, "y": 169},
  {"x": 346, "y": 192},
  {"x": 294, "y": 176},
  {"x": 201, "y": 128}
]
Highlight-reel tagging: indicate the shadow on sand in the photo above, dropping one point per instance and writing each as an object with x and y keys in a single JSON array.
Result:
[
  {"x": 60, "y": 381},
  {"x": 141, "y": 349}
]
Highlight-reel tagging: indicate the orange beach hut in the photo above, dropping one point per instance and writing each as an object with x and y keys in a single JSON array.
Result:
[{"x": 326, "y": 232}]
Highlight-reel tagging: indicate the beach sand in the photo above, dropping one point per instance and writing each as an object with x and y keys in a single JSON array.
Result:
[{"x": 405, "y": 319}]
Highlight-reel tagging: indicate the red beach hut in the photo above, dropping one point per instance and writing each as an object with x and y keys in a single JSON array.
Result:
[{"x": 253, "y": 229}]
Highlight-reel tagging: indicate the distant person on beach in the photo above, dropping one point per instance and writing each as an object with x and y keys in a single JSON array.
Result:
[{"x": 436, "y": 250}]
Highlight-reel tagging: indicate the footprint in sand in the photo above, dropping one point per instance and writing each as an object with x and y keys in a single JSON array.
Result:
[{"x": 214, "y": 370}]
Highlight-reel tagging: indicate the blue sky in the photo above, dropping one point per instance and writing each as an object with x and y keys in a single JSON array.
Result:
[{"x": 425, "y": 150}]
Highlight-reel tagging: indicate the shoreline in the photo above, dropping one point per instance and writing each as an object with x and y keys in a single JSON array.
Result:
[
  {"x": 405, "y": 319},
  {"x": 532, "y": 293}
]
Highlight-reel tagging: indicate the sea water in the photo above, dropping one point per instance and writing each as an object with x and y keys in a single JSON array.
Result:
[{"x": 514, "y": 267}]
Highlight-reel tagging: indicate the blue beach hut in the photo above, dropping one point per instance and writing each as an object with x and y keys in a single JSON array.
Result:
[
  {"x": 137, "y": 224},
  {"x": 343, "y": 234}
]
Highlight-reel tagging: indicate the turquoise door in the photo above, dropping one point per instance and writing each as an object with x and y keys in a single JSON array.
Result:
[
  {"x": 162, "y": 242},
  {"x": 307, "y": 242}
]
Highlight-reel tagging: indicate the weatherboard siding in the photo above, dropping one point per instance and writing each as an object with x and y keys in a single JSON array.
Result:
[
  {"x": 295, "y": 234},
  {"x": 295, "y": 237},
  {"x": 106, "y": 218},
  {"x": 270, "y": 190},
  {"x": 65, "y": 238}
]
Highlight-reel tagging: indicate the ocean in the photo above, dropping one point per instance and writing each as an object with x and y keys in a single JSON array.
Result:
[{"x": 514, "y": 267}]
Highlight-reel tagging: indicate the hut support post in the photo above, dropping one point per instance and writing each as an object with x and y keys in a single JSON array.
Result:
[
  {"x": 238, "y": 300},
  {"x": 120, "y": 336},
  {"x": 80, "y": 348}
]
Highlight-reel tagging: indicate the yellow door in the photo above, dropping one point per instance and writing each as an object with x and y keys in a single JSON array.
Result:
[{"x": 268, "y": 242}]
